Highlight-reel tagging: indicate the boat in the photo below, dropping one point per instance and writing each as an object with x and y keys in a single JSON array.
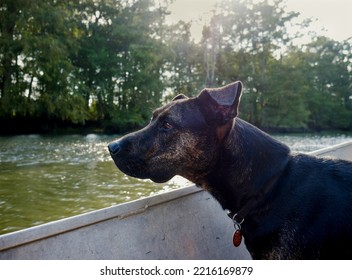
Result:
[{"x": 182, "y": 224}]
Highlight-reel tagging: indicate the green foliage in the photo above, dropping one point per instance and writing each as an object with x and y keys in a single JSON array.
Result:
[
  {"x": 284, "y": 86},
  {"x": 330, "y": 95},
  {"x": 112, "y": 62}
]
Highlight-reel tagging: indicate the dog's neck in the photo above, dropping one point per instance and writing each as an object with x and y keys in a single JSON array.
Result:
[{"x": 248, "y": 160}]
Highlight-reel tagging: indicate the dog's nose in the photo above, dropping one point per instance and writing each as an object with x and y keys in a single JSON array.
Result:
[{"x": 114, "y": 147}]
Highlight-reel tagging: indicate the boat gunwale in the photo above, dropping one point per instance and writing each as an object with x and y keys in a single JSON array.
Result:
[
  {"x": 120, "y": 212},
  {"x": 323, "y": 151}
]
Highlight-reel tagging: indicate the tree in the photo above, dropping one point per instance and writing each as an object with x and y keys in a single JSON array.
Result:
[
  {"x": 182, "y": 67},
  {"x": 36, "y": 74},
  {"x": 118, "y": 63},
  {"x": 286, "y": 107},
  {"x": 11, "y": 46},
  {"x": 251, "y": 42},
  {"x": 72, "y": 61},
  {"x": 330, "y": 94}
]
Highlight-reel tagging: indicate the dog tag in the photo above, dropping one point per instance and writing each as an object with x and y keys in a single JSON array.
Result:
[
  {"x": 237, "y": 238},
  {"x": 237, "y": 235}
]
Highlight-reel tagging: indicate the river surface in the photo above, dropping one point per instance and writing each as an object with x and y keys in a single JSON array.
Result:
[{"x": 45, "y": 178}]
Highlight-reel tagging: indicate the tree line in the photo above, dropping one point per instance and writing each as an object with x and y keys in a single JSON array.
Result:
[{"x": 109, "y": 63}]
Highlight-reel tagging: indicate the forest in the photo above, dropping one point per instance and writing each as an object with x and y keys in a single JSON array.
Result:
[{"x": 106, "y": 64}]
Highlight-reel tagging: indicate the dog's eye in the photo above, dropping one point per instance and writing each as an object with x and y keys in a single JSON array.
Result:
[{"x": 166, "y": 126}]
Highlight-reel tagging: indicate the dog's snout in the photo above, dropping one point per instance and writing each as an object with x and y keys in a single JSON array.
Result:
[{"x": 114, "y": 147}]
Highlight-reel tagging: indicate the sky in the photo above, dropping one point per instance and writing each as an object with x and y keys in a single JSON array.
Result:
[{"x": 332, "y": 15}]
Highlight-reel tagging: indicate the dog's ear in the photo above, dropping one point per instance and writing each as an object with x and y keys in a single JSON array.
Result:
[
  {"x": 221, "y": 104},
  {"x": 180, "y": 96}
]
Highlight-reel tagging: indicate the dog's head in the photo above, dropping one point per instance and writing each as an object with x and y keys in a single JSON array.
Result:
[{"x": 182, "y": 137}]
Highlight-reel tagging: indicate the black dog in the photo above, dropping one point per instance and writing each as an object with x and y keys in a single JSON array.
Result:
[{"x": 286, "y": 206}]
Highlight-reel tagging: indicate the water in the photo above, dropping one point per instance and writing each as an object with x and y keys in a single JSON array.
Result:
[{"x": 45, "y": 178}]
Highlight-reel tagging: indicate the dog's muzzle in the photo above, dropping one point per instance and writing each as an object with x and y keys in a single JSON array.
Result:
[
  {"x": 123, "y": 159},
  {"x": 134, "y": 164}
]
